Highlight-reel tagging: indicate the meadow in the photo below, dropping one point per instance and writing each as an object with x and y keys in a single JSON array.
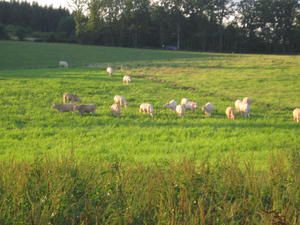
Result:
[
  {"x": 29, "y": 126},
  {"x": 34, "y": 138}
]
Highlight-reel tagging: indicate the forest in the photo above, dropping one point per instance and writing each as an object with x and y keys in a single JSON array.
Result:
[{"x": 244, "y": 26}]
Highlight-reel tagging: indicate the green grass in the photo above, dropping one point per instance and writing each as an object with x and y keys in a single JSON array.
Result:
[
  {"x": 63, "y": 168},
  {"x": 67, "y": 191},
  {"x": 26, "y": 55},
  {"x": 30, "y": 127}
]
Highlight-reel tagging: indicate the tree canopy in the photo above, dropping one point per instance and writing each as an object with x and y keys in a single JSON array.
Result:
[{"x": 271, "y": 26}]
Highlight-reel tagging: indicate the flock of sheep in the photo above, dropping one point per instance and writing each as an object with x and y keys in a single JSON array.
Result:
[{"x": 70, "y": 100}]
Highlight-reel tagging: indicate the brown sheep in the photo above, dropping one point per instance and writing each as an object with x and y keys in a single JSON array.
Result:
[
  {"x": 67, "y": 97},
  {"x": 85, "y": 109},
  {"x": 63, "y": 107}
]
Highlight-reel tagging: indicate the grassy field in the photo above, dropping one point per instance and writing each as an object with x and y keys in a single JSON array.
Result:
[
  {"x": 63, "y": 168},
  {"x": 30, "y": 127}
]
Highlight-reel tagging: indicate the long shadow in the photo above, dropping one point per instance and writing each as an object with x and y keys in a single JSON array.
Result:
[{"x": 135, "y": 121}]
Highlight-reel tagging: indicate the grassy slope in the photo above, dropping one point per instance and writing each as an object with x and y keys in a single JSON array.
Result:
[
  {"x": 30, "y": 127},
  {"x": 40, "y": 55}
]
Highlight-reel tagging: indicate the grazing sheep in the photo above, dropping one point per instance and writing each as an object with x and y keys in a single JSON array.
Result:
[
  {"x": 85, "y": 108},
  {"x": 115, "y": 109},
  {"x": 296, "y": 114},
  {"x": 247, "y": 100},
  {"x": 237, "y": 105},
  {"x": 146, "y": 108},
  {"x": 245, "y": 109},
  {"x": 67, "y": 97},
  {"x": 230, "y": 113},
  {"x": 109, "y": 70},
  {"x": 180, "y": 110},
  {"x": 171, "y": 105},
  {"x": 120, "y": 100},
  {"x": 208, "y": 108},
  {"x": 63, "y": 64},
  {"x": 126, "y": 79},
  {"x": 184, "y": 101},
  {"x": 63, "y": 107},
  {"x": 191, "y": 105}
]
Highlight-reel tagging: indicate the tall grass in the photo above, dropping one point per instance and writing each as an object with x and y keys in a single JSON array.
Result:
[{"x": 67, "y": 191}]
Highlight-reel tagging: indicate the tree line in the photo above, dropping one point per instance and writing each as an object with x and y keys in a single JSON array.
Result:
[
  {"x": 269, "y": 26},
  {"x": 206, "y": 25},
  {"x": 21, "y": 19}
]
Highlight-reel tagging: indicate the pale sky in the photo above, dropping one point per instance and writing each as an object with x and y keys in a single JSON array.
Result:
[{"x": 54, "y": 3}]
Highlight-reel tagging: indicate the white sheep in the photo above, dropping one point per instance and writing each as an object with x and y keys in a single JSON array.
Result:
[
  {"x": 115, "y": 109},
  {"x": 171, "y": 105},
  {"x": 120, "y": 100},
  {"x": 126, "y": 79},
  {"x": 230, "y": 113},
  {"x": 184, "y": 101},
  {"x": 208, "y": 108},
  {"x": 63, "y": 64},
  {"x": 180, "y": 110},
  {"x": 245, "y": 109},
  {"x": 109, "y": 70},
  {"x": 147, "y": 108},
  {"x": 237, "y": 105},
  {"x": 296, "y": 115}
]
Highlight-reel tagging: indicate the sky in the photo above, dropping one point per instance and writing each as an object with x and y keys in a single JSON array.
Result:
[{"x": 55, "y": 3}]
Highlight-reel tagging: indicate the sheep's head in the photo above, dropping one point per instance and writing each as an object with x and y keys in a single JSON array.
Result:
[
  {"x": 194, "y": 105},
  {"x": 54, "y": 106}
]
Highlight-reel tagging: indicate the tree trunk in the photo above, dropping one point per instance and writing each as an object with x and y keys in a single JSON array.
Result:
[{"x": 178, "y": 35}]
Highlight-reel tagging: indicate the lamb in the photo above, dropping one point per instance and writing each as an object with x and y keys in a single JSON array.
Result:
[
  {"x": 188, "y": 104},
  {"x": 171, "y": 105},
  {"x": 180, "y": 110},
  {"x": 115, "y": 109},
  {"x": 230, "y": 113},
  {"x": 120, "y": 100},
  {"x": 147, "y": 108},
  {"x": 245, "y": 109},
  {"x": 191, "y": 105},
  {"x": 237, "y": 105},
  {"x": 296, "y": 114},
  {"x": 67, "y": 97},
  {"x": 109, "y": 70},
  {"x": 63, "y": 64},
  {"x": 126, "y": 79},
  {"x": 85, "y": 109},
  {"x": 208, "y": 108},
  {"x": 63, "y": 107}
]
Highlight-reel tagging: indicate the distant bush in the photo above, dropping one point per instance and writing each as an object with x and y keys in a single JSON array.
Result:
[
  {"x": 18, "y": 32},
  {"x": 66, "y": 191},
  {"x": 3, "y": 34},
  {"x": 52, "y": 37}
]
